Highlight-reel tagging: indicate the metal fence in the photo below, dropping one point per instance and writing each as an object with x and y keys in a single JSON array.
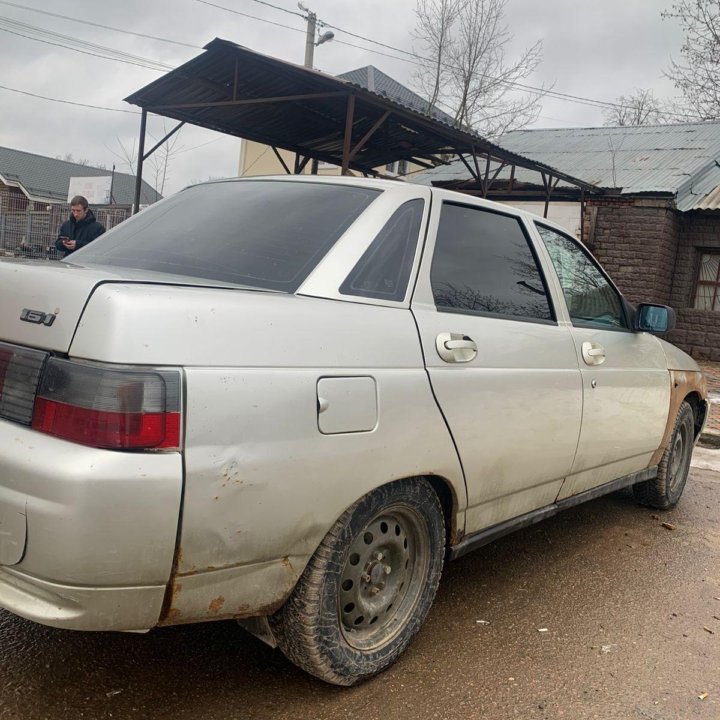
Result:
[{"x": 29, "y": 229}]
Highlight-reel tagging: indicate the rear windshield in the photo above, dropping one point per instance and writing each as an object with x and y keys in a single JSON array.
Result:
[{"x": 260, "y": 233}]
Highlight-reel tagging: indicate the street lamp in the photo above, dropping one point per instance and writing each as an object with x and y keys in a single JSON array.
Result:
[{"x": 310, "y": 41}]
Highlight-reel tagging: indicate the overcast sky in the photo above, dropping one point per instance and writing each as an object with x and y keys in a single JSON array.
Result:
[{"x": 599, "y": 50}]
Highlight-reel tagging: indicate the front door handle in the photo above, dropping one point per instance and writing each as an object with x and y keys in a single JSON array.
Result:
[
  {"x": 455, "y": 347},
  {"x": 593, "y": 354}
]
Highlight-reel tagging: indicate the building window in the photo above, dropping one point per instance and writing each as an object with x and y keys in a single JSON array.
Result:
[{"x": 707, "y": 295}]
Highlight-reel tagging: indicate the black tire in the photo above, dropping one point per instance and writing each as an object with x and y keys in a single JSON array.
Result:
[
  {"x": 369, "y": 586},
  {"x": 665, "y": 490}
]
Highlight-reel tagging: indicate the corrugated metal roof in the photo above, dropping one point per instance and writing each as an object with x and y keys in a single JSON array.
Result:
[
  {"x": 47, "y": 179},
  {"x": 239, "y": 92},
  {"x": 679, "y": 160},
  {"x": 376, "y": 81}
]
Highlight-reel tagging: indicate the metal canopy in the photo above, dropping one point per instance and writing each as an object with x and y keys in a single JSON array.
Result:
[{"x": 239, "y": 92}]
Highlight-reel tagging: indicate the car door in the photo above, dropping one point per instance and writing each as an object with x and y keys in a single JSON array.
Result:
[
  {"x": 503, "y": 370},
  {"x": 626, "y": 385}
]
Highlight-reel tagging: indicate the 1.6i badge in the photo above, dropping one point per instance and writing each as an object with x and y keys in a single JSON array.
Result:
[{"x": 38, "y": 317}]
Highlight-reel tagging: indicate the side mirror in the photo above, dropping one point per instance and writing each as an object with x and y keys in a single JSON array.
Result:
[{"x": 656, "y": 319}]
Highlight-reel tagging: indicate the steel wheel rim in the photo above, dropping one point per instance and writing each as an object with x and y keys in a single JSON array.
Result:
[
  {"x": 383, "y": 577},
  {"x": 678, "y": 456}
]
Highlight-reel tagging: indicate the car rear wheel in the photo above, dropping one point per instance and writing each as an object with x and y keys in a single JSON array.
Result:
[
  {"x": 665, "y": 490},
  {"x": 369, "y": 586}
]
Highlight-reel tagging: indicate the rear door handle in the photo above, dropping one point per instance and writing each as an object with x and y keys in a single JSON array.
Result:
[
  {"x": 455, "y": 347},
  {"x": 593, "y": 354}
]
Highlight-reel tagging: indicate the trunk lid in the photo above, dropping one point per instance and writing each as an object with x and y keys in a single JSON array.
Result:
[{"x": 41, "y": 302}]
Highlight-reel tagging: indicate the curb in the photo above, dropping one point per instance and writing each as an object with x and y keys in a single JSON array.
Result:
[{"x": 709, "y": 440}]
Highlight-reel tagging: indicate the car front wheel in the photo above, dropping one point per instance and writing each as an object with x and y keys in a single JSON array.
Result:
[
  {"x": 664, "y": 491},
  {"x": 369, "y": 586}
]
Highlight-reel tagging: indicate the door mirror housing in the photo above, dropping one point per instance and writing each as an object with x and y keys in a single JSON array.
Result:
[{"x": 655, "y": 319}]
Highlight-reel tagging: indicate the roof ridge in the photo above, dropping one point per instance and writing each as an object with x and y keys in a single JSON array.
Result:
[
  {"x": 61, "y": 160},
  {"x": 629, "y": 128}
]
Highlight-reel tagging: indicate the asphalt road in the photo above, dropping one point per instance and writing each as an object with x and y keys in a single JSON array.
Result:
[{"x": 630, "y": 609}]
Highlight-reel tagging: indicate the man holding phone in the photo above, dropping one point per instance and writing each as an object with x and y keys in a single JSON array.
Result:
[{"x": 79, "y": 229}]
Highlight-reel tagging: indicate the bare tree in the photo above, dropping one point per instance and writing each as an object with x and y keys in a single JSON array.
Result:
[
  {"x": 68, "y": 157},
  {"x": 468, "y": 61},
  {"x": 158, "y": 162},
  {"x": 697, "y": 74},
  {"x": 435, "y": 19},
  {"x": 640, "y": 108},
  {"x": 127, "y": 155}
]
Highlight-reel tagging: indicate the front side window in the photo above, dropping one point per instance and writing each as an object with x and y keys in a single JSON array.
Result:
[
  {"x": 591, "y": 300},
  {"x": 484, "y": 265},
  {"x": 707, "y": 294},
  {"x": 259, "y": 233}
]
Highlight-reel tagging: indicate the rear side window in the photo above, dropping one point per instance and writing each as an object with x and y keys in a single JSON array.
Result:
[
  {"x": 384, "y": 269},
  {"x": 259, "y": 233},
  {"x": 483, "y": 264}
]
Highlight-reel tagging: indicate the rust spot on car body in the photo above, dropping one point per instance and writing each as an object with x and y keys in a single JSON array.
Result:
[
  {"x": 216, "y": 605},
  {"x": 682, "y": 384},
  {"x": 456, "y": 536},
  {"x": 171, "y": 618}
]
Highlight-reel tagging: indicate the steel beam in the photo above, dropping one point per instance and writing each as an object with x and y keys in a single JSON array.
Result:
[{"x": 141, "y": 157}]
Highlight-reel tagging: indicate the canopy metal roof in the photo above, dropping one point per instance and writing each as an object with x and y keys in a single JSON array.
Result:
[
  {"x": 239, "y": 92},
  {"x": 680, "y": 160}
]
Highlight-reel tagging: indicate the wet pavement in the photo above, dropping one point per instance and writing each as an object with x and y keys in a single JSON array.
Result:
[{"x": 629, "y": 611}]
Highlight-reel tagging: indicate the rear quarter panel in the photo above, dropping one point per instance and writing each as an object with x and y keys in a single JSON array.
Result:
[{"x": 262, "y": 483}]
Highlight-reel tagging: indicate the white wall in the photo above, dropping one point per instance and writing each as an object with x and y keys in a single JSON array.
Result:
[{"x": 566, "y": 214}]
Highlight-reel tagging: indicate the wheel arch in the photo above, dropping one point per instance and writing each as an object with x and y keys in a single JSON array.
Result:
[
  {"x": 454, "y": 528},
  {"x": 699, "y": 408},
  {"x": 687, "y": 386}
]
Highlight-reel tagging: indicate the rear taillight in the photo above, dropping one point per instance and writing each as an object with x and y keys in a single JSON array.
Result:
[{"x": 119, "y": 409}]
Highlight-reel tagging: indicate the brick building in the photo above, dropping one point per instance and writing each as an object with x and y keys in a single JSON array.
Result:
[{"x": 654, "y": 225}]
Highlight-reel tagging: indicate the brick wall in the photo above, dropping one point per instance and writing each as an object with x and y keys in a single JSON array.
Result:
[
  {"x": 636, "y": 241},
  {"x": 651, "y": 250},
  {"x": 698, "y": 331}
]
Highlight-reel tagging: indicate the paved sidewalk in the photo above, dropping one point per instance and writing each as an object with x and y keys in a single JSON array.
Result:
[{"x": 711, "y": 370}]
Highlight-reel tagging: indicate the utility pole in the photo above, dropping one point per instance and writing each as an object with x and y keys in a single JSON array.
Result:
[
  {"x": 310, "y": 41},
  {"x": 310, "y": 37}
]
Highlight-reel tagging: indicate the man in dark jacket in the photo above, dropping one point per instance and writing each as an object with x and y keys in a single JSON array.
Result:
[{"x": 79, "y": 229}]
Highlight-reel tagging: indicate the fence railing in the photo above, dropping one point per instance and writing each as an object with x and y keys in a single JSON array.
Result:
[{"x": 32, "y": 232}]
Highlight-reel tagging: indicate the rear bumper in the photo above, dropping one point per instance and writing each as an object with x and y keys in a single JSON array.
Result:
[
  {"x": 80, "y": 608},
  {"x": 87, "y": 536}
]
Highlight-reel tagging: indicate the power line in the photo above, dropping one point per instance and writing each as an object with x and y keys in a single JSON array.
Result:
[
  {"x": 48, "y": 37},
  {"x": 67, "y": 102},
  {"x": 277, "y": 7},
  {"x": 367, "y": 39},
  {"x": 252, "y": 17},
  {"x": 85, "y": 21}
]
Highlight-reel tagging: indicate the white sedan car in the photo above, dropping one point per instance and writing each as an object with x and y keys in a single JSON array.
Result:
[{"x": 287, "y": 401}]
